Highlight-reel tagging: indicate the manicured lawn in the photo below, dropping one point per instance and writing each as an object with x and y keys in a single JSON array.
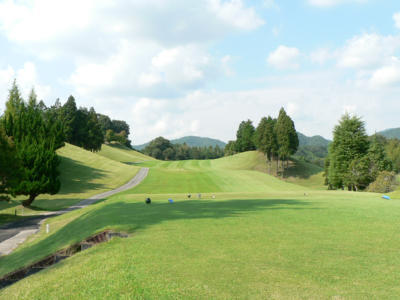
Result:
[
  {"x": 123, "y": 154},
  {"x": 260, "y": 238},
  {"x": 83, "y": 174},
  {"x": 236, "y": 246}
]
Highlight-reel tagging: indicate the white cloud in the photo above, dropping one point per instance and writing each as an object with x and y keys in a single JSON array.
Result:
[
  {"x": 97, "y": 27},
  {"x": 321, "y": 56},
  {"x": 235, "y": 13},
  {"x": 368, "y": 51},
  {"x": 284, "y": 58},
  {"x": 386, "y": 75},
  {"x": 329, "y": 3},
  {"x": 27, "y": 78},
  {"x": 396, "y": 18}
]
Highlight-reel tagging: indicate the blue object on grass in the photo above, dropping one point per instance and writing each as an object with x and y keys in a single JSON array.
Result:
[
  {"x": 170, "y": 200},
  {"x": 386, "y": 197}
]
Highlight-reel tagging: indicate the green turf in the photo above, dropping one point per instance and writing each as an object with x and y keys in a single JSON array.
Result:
[
  {"x": 123, "y": 154},
  {"x": 83, "y": 174},
  {"x": 324, "y": 245},
  {"x": 260, "y": 238}
]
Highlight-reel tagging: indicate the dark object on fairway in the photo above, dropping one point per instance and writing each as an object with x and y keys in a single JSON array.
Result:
[
  {"x": 189, "y": 196},
  {"x": 148, "y": 201},
  {"x": 386, "y": 197}
]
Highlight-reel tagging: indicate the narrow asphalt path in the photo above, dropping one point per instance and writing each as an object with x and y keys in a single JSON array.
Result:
[{"x": 13, "y": 234}]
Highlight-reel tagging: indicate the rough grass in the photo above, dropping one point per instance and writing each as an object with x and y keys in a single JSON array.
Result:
[{"x": 83, "y": 174}]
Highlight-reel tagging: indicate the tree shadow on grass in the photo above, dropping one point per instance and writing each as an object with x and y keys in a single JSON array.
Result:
[
  {"x": 301, "y": 169},
  {"x": 76, "y": 177},
  {"x": 130, "y": 217}
]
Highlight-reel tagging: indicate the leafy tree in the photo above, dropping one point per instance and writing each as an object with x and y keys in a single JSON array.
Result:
[
  {"x": 392, "y": 150},
  {"x": 94, "y": 132},
  {"x": 384, "y": 183},
  {"x": 377, "y": 155},
  {"x": 157, "y": 146},
  {"x": 350, "y": 142},
  {"x": 260, "y": 135},
  {"x": 230, "y": 148},
  {"x": 35, "y": 147},
  {"x": 245, "y": 137}
]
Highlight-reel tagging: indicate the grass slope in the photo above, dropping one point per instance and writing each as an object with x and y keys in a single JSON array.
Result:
[
  {"x": 83, "y": 174},
  {"x": 123, "y": 154}
]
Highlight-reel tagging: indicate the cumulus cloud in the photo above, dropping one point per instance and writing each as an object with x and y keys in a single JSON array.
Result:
[
  {"x": 27, "y": 78},
  {"x": 396, "y": 18},
  {"x": 329, "y": 3},
  {"x": 284, "y": 58},
  {"x": 368, "y": 50},
  {"x": 57, "y": 27}
]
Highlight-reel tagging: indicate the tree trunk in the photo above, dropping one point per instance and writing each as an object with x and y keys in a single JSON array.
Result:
[{"x": 29, "y": 201}]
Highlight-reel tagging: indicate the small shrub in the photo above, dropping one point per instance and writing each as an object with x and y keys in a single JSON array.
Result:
[{"x": 384, "y": 183}]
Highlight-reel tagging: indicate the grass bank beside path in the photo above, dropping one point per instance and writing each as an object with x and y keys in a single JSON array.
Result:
[
  {"x": 123, "y": 154},
  {"x": 282, "y": 245},
  {"x": 83, "y": 174}
]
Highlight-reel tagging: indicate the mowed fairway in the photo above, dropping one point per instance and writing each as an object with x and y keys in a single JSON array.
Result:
[{"x": 260, "y": 238}]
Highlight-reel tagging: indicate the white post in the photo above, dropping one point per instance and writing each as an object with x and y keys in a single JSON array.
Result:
[{"x": 47, "y": 228}]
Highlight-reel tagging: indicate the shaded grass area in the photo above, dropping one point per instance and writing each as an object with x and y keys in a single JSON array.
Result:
[
  {"x": 83, "y": 174},
  {"x": 238, "y": 246}
]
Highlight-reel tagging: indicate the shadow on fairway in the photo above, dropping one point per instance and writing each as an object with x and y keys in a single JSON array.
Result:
[
  {"x": 129, "y": 217},
  {"x": 76, "y": 177}
]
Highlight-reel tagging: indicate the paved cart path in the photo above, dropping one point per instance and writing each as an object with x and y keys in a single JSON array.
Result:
[{"x": 13, "y": 234}]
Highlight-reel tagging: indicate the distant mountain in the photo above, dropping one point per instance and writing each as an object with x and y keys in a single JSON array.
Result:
[
  {"x": 315, "y": 140},
  {"x": 192, "y": 141},
  {"x": 312, "y": 149},
  {"x": 393, "y": 133}
]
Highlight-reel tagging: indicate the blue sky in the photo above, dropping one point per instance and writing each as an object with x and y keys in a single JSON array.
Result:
[{"x": 176, "y": 67}]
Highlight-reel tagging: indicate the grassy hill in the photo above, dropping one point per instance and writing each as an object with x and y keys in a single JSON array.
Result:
[
  {"x": 393, "y": 133},
  {"x": 83, "y": 174},
  {"x": 315, "y": 140},
  {"x": 192, "y": 141},
  {"x": 259, "y": 238},
  {"x": 123, "y": 154}
]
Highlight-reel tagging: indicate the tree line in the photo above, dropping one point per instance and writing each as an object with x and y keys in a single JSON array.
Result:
[
  {"x": 30, "y": 134},
  {"x": 358, "y": 162},
  {"x": 275, "y": 137},
  {"x": 161, "y": 148}
]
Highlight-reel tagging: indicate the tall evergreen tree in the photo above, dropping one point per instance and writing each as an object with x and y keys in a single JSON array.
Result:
[
  {"x": 68, "y": 119},
  {"x": 286, "y": 135},
  {"x": 35, "y": 150},
  {"x": 350, "y": 142},
  {"x": 9, "y": 165},
  {"x": 245, "y": 137}
]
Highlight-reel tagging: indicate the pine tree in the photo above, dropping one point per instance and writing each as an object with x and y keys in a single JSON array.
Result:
[
  {"x": 68, "y": 119},
  {"x": 35, "y": 147},
  {"x": 245, "y": 137},
  {"x": 9, "y": 165},
  {"x": 286, "y": 135},
  {"x": 350, "y": 143}
]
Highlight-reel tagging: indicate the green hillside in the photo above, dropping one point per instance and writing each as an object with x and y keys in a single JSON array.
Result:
[
  {"x": 123, "y": 154},
  {"x": 83, "y": 174},
  {"x": 393, "y": 133},
  {"x": 192, "y": 141},
  {"x": 315, "y": 140}
]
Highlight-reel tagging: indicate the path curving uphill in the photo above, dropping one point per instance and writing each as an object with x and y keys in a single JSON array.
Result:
[{"x": 13, "y": 234}]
